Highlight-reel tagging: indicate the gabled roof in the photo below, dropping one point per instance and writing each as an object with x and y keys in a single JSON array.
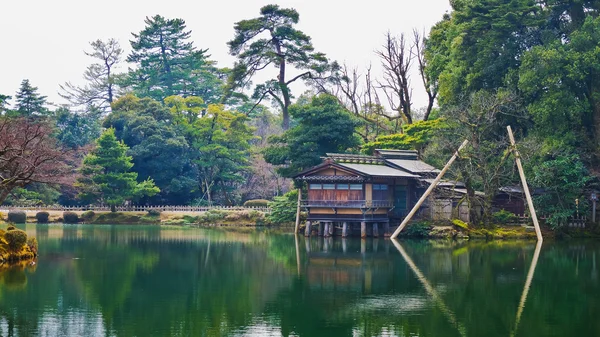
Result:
[{"x": 378, "y": 170}]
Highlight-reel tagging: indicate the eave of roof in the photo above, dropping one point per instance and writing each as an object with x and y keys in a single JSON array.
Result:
[{"x": 378, "y": 170}]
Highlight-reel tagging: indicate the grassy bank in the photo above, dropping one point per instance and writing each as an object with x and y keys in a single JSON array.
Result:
[{"x": 16, "y": 246}]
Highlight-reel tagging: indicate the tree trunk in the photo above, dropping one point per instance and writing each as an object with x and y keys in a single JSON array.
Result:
[
  {"x": 4, "y": 194},
  {"x": 113, "y": 208}
]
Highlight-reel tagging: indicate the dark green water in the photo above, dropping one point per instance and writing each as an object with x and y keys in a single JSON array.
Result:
[{"x": 147, "y": 281}]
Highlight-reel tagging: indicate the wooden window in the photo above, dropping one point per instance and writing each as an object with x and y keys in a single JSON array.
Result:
[
  {"x": 329, "y": 186},
  {"x": 380, "y": 187},
  {"x": 342, "y": 186},
  {"x": 315, "y": 187},
  {"x": 356, "y": 187}
]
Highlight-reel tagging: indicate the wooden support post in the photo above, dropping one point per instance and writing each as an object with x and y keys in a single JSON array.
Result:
[
  {"x": 298, "y": 211},
  {"x": 331, "y": 228},
  {"x": 363, "y": 230},
  {"x": 326, "y": 230},
  {"x": 538, "y": 231},
  {"x": 386, "y": 229},
  {"x": 345, "y": 230},
  {"x": 308, "y": 228},
  {"x": 375, "y": 230},
  {"x": 428, "y": 191},
  {"x": 320, "y": 232}
]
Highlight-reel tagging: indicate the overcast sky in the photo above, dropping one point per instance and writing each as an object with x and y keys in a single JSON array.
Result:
[{"x": 43, "y": 40}]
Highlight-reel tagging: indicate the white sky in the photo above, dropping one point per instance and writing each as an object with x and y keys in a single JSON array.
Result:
[{"x": 43, "y": 40}]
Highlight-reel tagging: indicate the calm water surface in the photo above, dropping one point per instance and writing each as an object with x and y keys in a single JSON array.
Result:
[{"x": 148, "y": 281}]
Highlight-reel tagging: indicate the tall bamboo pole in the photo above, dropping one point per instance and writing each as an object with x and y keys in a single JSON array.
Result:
[
  {"x": 298, "y": 211},
  {"x": 538, "y": 232},
  {"x": 429, "y": 190}
]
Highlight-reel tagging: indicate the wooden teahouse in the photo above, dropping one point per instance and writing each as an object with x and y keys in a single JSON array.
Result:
[{"x": 355, "y": 193}]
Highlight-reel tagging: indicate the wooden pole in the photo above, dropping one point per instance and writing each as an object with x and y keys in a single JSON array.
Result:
[
  {"x": 538, "y": 232},
  {"x": 429, "y": 190},
  {"x": 298, "y": 210}
]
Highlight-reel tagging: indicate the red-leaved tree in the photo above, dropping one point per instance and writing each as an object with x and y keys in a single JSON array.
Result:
[{"x": 29, "y": 153}]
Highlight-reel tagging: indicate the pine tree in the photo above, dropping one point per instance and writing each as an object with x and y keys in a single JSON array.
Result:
[
  {"x": 29, "y": 101},
  {"x": 106, "y": 175},
  {"x": 169, "y": 64}
]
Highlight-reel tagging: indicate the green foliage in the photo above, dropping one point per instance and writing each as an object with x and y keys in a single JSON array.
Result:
[
  {"x": 88, "y": 215},
  {"x": 16, "y": 239},
  {"x": 17, "y": 217},
  {"x": 283, "y": 208},
  {"x": 70, "y": 217},
  {"x": 256, "y": 203},
  {"x": 323, "y": 126},
  {"x": 563, "y": 178},
  {"x": 212, "y": 216},
  {"x": 460, "y": 224},
  {"x": 503, "y": 217},
  {"x": 33, "y": 245},
  {"x": 169, "y": 64},
  {"x": 75, "y": 130},
  {"x": 42, "y": 217},
  {"x": 415, "y": 136},
  {"x": 106, "y": 175},
  {"x": 29, "y": 101},
  {"x": 417, "y": 230},
  {"x": 10, "y": 228}
]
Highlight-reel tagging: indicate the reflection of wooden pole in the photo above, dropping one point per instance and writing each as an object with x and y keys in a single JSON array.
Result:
[
  {"x": 298, "y": 211},
  {"x": 527, "y": 285},
  {"x": 430, "y": 289},
  {"x": 429, "y": 190},
  {"x": 538, "y": 232}
]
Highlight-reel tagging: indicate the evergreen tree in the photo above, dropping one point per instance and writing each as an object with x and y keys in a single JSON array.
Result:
[
  {"x": 29, "y": 101},
  {"x": 271, "y": 40},
  {"x": 169, "y": 64},
  {"x": 106, "y": 175}
]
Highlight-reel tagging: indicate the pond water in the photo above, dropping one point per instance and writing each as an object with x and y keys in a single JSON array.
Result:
[{"x": 151, "y": 281}]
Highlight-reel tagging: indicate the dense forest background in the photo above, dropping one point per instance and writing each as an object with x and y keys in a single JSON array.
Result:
[{"x": 177, "y": 128}]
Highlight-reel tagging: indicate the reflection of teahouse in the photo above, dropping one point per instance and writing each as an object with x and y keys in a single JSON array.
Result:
[{"x": 356, "y": 192}]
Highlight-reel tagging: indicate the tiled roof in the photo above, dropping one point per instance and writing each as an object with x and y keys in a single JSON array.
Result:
[
  {"x": 332, "y": 178},
  {"x": 413, "y": 166},
  {"x": 378, "y": 170}
]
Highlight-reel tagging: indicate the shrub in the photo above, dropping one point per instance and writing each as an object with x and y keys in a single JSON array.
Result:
[
  {"x": 42, "y": 217},
  {"x": 1, "y": 216},
  {"x": 283, "y": 209},
  {"x": 10, "y": 228},
  {"x": 417, "y": 230},
  {"x": 88, "y": 215},
  {"x": 460, "y": 224},
  {"x": 153, "y": 212},
  {"x": 503, "y": 217},
  {"x": 70, "y": 217},
  {"x": 17, "y": 217},
  {"x": 33, "y": 245},
  {"x": 212, "y": 216},
  {"x": 256, "y": 203},
  {"x": 16, "y": 239}
]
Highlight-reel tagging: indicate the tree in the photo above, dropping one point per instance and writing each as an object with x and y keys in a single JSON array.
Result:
[
  {"x": 483, "y": 165},
  {"x": 29, "y": 154},
  {"x": 100, "y": 88},
  {"x": 75, "y": 130},
  {"x": 159, "y": 145},
  {"x": 323, "y": 126},
  {"x": 106, "y": 175},
  {"x": 272, "y": 41},
  {"x": 29, "y": 101},
  {"x": 169, "y": 64},
  {"x": 3, "y": 104},
  {"x": 414, "y": 136},
  {"x": 221, "y": 144}
]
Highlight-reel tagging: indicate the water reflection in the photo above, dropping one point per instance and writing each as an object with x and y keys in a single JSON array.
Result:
[{"x": 152, "y": 281}]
